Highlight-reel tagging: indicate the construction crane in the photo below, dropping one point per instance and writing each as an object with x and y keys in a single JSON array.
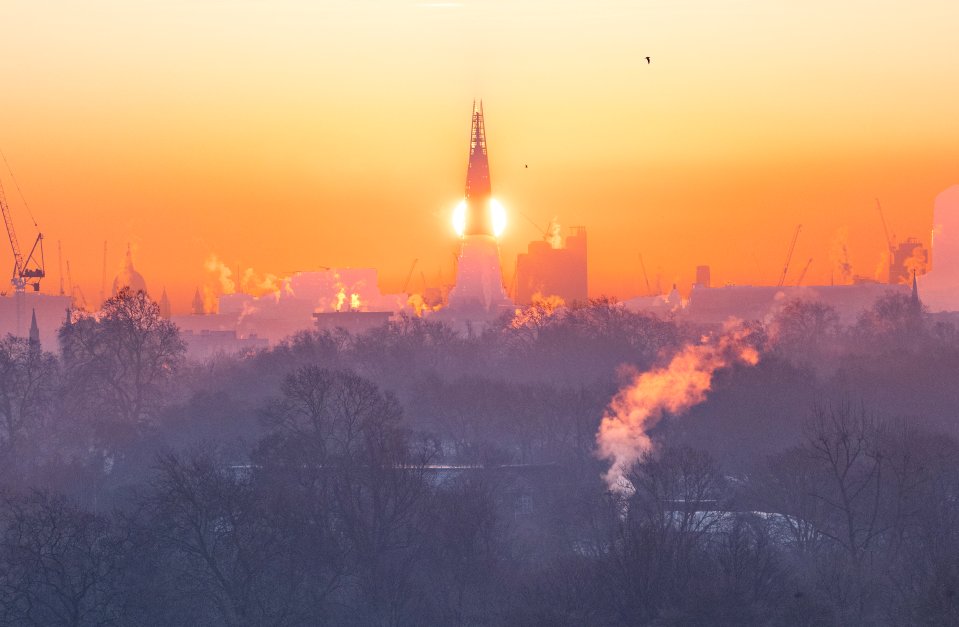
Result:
[
  {"x": 409, "y": 275},
  {"x": 645, "y": 277},
  {"x": 79, "y": 301},
  {"x": 802, "y": 275},
  {"x": 884, "y": 227},
  {"x": 27, "y": 271},
  {"x": 789, "y": 256}
]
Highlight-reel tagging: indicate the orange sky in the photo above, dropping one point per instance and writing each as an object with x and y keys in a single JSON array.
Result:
[{"x": 285, "y": 135}]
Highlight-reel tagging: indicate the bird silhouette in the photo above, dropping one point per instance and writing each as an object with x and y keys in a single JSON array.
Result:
[
  {"x": 526, "y": 166},
  {"x": 647, "y": 61}
]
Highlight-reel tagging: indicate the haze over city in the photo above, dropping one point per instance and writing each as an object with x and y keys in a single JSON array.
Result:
[
  {"x": 382, "y": 313},
  {"x": 286, "y": 136}
]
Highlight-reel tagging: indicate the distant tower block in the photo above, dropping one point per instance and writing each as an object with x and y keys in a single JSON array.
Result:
[
  {"x": 702, "y": 276},
  {"x": 940, "y": 285},
  {"x": 549, "y": 271}
]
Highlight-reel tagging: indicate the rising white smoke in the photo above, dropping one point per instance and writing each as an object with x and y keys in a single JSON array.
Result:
[
  {"x": 224, "y": 276},
  {"x": 623, "y": 434},
  {"x": 554, "y": 234}
]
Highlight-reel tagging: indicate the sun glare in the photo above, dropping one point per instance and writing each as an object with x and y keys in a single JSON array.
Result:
[
  {"x": 499, "y": 217},
  {"x": 497, "y": 214},
  {"x": 459, "y": 218}
]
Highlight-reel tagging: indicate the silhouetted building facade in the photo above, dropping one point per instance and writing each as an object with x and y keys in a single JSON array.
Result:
[
  {"x": 702, "y": 276},
  {"x": 549, "y": 271}
]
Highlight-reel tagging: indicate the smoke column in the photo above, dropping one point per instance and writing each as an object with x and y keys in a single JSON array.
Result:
[{"x": 623, "y": 433}]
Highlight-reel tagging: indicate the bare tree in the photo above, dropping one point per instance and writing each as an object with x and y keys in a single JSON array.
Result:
[
  {"x": 337, "y": 438},
  {"x": 806, "y": 332},
  {"x": 58, "y": 564},
  {"x": 233, "y": 547},
  {"x": 847, "y": 449},
  {"x": 787, "y": 485},
  {"x": 28, "y": 379},
  {"x": 119, "y": 362}
]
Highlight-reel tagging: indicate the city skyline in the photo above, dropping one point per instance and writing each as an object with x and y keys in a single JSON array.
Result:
[{"x": 289, "y": 136}]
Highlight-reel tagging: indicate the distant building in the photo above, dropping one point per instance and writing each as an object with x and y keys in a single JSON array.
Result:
[
  {"x": 758, "y": 302},
  {"x": 164, "y": 305},
  {"x": 478, "y": 295},
  {"x": 197, "y": 305},
  {"x": 18, "y": 310},
  {"x": 702, "y": 276},
  {"x": 552, "y": 271},
  {"x": 275, "y": 315},
  {"x": 129, "y": 277},
  {"x": 209, "y": 343},
  {"x": 352, "y": 321},
  {"x": 940, "y": 285}
]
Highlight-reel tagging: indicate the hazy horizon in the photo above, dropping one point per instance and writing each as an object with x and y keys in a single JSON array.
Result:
[{"x": 288, "y": 136}]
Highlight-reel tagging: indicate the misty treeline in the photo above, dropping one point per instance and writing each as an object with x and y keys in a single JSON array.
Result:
[{"x": 412, "y": 475}]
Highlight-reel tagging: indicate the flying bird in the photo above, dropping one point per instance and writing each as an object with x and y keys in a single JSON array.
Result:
[
  {"x": 647, "y": 61},
  {"x": 526, "y": 165}
]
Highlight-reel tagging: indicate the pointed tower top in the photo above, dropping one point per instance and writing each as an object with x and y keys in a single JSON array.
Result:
[
  {"x": 164, "y": 305},
  {"x": 198, "y": 308},
  {"x": 34, "y": 330},
  {"x": 915, "y": 290},
  {"x": 477, "y": 172}
]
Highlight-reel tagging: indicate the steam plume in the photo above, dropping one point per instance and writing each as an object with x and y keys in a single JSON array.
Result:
[
  {"x": 554, "y": 234},
  {"x": 623, "y": 433},
  {"x": 224, "y": 274},
  {"x": 541, "y": 309}
]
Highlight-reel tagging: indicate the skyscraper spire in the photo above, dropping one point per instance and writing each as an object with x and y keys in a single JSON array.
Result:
[
  {"x": 479, "y": 295},
  {"x": 478, "y": 214},
  {"x": 477, "y": 172}
]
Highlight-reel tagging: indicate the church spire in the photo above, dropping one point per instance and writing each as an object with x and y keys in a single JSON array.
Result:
[
  {"x": 164, "y": 305},
  {"x": 915, "y": 290},
  {"x": 34, "y": 330},
  {"x": 198, "y": 308}
]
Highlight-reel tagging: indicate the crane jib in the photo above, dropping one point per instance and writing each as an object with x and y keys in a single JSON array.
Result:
[{"x": 22, "y": 270}]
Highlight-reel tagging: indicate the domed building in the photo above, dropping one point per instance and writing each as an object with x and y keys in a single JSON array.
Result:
[{"x": 129, "y": 277}]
